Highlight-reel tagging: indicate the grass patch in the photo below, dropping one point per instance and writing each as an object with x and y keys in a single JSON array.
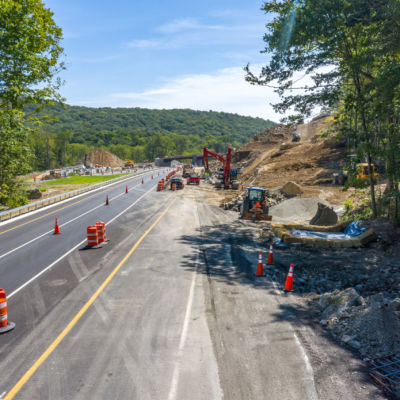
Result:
[{"x": 79, "y": 180}]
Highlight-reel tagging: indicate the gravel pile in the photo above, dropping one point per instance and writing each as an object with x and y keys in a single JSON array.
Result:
[
  {"x": 370, "y": 325},
  {"x": 296, "y": 209},
  {"x": 356, "y": 291}
]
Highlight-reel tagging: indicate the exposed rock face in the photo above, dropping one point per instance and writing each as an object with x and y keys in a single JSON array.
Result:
[
  {"x": 325, "y": 216},
  {"x": 291, "y": 189}
]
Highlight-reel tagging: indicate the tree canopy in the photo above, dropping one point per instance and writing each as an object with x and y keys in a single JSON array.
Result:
[
  {"x": 351, "y": 51},
  {"x": 136, "y": 133},
  {"x": 29, "y": 61}
]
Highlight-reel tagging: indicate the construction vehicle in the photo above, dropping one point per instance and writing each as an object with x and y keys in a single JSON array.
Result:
[
  {"x": 255, "y": 204},
  {"x": 193, "y": 179},
  {"x": 225, "y": 171},
  {"x": 178, "y": 182},
  {"x": 129, "y": 164},
  {"x": 362, "y": 174}
]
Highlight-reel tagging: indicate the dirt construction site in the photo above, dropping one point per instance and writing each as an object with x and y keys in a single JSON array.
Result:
[{"x": 350, "y": 294}]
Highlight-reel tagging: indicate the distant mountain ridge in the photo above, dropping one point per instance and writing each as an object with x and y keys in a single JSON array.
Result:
[
  {"x": 135, "y": 133},
  {"x": 84, "y": 122}
]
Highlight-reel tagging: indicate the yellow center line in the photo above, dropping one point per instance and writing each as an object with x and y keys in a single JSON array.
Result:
[{"x": 28, "y": 374}]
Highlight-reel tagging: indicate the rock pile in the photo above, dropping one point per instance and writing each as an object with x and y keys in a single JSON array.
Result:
[{"x": 371, "y": 325}]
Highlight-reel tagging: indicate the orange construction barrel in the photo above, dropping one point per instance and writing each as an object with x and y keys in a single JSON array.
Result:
[
  {"x": 92, "y": 236},
  {"x": 101, "y": 231},
  {"x": 3, "y": 309}
]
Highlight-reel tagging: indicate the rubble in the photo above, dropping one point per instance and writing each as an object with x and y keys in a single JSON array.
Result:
[
  {"x": 291, "y": 189},
  {"x": 34, "y": 193}
]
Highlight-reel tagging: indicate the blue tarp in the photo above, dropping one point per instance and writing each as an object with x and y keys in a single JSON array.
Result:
[{"x": 351, "y": 231}]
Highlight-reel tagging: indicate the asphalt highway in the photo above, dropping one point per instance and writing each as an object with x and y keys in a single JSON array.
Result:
[
  {"x": 122, "y": 321},
  {"x": 161, "y": 312},
  {"x": 28, "y": 245}
]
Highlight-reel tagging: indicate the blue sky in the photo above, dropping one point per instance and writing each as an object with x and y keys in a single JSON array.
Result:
[{"x": 163, "y": 54}]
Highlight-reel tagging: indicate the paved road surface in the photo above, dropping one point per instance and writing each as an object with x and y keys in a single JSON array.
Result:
[{"x": 158, "y": 313}]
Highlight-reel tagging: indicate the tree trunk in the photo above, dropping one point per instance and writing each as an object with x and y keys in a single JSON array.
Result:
[{"x": 372, "y": 186}]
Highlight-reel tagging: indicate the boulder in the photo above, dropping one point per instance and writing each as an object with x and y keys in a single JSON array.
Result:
[
  {"x": 291, "y": 189},
  {"x": 34, "y": 194},
  {"x": 325, "y": 216}
]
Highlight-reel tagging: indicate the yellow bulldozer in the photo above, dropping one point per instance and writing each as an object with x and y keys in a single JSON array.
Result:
[
  {"x": 362, "y": 174},
  {"x": 129, "y": 164}
]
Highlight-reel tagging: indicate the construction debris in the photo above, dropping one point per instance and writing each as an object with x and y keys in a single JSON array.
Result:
[
  {"x": 386, "y": 372},
  {"x": 291, "y": 189}
]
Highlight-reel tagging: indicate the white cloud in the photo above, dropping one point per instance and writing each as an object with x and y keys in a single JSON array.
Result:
[
  {"x": 185, "y": 24},
  {"x": 225, "y": 90},
  {"x": 145, "y": 43}
]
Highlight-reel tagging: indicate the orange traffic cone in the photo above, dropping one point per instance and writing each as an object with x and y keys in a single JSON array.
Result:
[
  {"x": 126, "y": 189},
  {"x": 260, "y": 271},
  {"x": 289, "y": 280},
  {"x": 107, "y": 202},
  {"x": 57, "y": 228},
  {"x": 270, "y": 260},
  {"x": 152, "y": 177}
]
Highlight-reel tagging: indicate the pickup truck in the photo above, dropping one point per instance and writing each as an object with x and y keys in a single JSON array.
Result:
[{"x": 193, "y": 179}]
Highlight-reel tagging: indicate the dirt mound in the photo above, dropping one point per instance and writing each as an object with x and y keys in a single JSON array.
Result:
[
  {"x": 271, "y": 158},
  {"x": 103, "y": 158},
  {"x": 295, "y": 209}
]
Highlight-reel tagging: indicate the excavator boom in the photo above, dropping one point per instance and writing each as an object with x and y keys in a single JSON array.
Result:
[{"x": 226, "y": 162}]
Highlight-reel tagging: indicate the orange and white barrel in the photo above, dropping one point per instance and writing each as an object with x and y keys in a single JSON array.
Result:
[
  {"x": 173, "y": 186},
  {"x": 3, "y": 309},
  {"x": 101, "y": 231},
  {"x": 92, "y": 236}
]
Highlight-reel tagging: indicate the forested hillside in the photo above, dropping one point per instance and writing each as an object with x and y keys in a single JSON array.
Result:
[{"x": 135, "y": 133}]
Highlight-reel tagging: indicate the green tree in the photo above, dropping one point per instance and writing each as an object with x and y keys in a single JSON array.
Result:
[
  {"x": 29, "y": 60},
  {"x": 343, "y": 47},
  {"x": 29, "y": 53},
  {"x": 62, "y": 142},
  {"x": 15, "y": 156}
]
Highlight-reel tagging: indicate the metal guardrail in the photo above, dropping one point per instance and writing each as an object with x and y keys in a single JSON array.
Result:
[{"x": 8, "y": 214}]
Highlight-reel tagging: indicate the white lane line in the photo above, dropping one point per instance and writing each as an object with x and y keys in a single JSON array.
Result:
[
  {"x": 309, "y": 376},
  {"x": 75, "y": 247},
  {"x": 61, "y": 225},
  {"x": 28, "y": 214},
  {"x": 175, "y": 375}
]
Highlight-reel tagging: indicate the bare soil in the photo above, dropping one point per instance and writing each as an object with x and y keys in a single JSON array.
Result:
[
  {"x": 271, "y": 159},
  {"x": 104, "y": 158}
]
